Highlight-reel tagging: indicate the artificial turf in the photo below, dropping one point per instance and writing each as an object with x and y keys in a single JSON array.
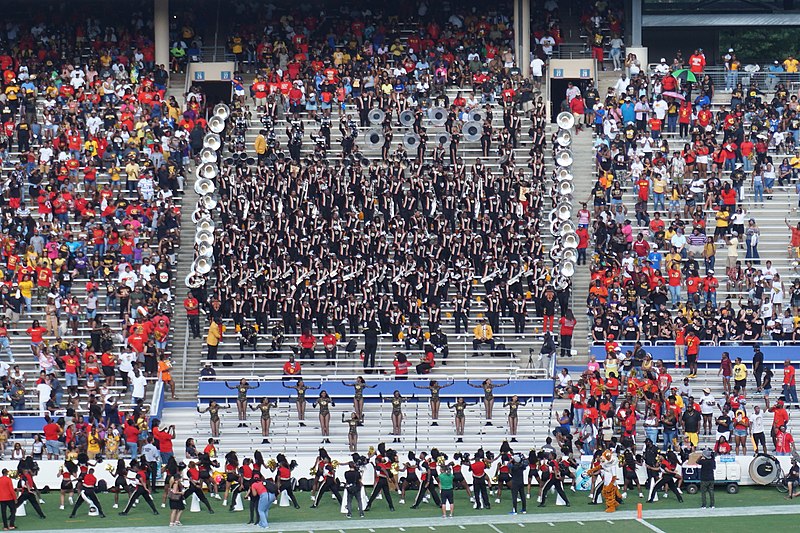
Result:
[{"x": 329, "y": 511}]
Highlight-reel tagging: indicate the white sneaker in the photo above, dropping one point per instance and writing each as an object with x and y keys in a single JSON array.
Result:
[
  {"x": 61, "y": 507},
  {"x": 641, "y": 495},
  {"x": 115, "y": 506},
  {"x": 497, "y": 500},
  {"x": 425, "y": 499},
  {"x": 529, "y": 496},
  {"x": 665, "y": 495},
  {"x": 472, "y": 499},
  {"x": 41, "y": 500},
  {"x": 679, "y": 490},
  {"x": 624, "y": 495},
  {"x": 163, "y": 505},
  {"x": 572, "y": 488},
  {"x": 474, "y": 505},
  {"x": 402, "y": 502},
  {"x": 703, "y": 507},
  {"x": 70, "y": 501},
  {"x": 224, "y": 502}
]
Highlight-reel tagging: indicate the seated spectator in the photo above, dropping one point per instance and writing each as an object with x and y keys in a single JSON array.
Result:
[{"x": 482, "y": 334}]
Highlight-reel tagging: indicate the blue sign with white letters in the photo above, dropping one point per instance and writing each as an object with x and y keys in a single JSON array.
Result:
[{"x": 199, "y": 75}]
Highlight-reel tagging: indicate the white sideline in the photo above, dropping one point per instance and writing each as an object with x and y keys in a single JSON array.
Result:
[{"x": 531, "y": 518}]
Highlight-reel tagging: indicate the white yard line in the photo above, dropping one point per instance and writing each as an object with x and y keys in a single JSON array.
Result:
[{"x": 650, "y": 526}]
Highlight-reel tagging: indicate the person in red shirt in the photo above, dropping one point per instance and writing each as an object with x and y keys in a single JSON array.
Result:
[
  {"x": 164, "y": 438},
  {"x": 566, "y": 324},
  {"x": 329, "y": 345},
  {"x": 784, "y": 442},
  {"x": 697, "y": 62},
  {"x": 52, "y": 432},
  {"x": 8, "y": 500},
  {"x": 789, "y": 383},
  {"x": 655, "y": 127},
  {"x": 88, "y": 484},
  {"x": 401, "y": 366},
  {"x": 291, "y": 368},
  {"x": 131, "y": 433}
]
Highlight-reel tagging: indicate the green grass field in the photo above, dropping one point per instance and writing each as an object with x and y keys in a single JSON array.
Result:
[{"x": 328, "y": 513}]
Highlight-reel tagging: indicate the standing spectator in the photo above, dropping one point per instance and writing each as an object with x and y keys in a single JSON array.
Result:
[
  {"x": 215, "y": 330},
  {"x": 707, "y": 467},
  {"x": 789, "y": 382},
  {"x": 8, "y": 500}
]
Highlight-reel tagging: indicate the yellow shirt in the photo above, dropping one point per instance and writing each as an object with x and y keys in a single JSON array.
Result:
[
  {"x": 26, "y": 288},
  {"x": 483, "y": 332},
  {"x": 791, "y": 65},
  {"x": 739, "y": 372}
]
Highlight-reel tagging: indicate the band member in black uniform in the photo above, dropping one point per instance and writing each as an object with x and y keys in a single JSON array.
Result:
[
  {"x": 329, "y": 483},
  {"x": 382, "y": 466},
  {"x": 555, "y": 481}
]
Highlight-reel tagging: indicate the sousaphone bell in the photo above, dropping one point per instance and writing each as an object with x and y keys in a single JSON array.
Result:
[
  {"x": 222, "y": 111},
  {"x": 202, "y": 265},
  {"x": 407, "y": 118},
  {"x": 207, "y": 155},
  {"x": 411, "y": 140},
  {"x": 376, "y": 116},
  {"x": 207, "y": 171},
  {"x": 374, "y": 137},
  {"x": 564, "y": 138},
  {"x": 477, "y": 115},
  {"x": 472, "y": 131},
  {"x": 437, "y": 116},
  {"x": 204, "y": 186},
  {"x": 565, "y": 120},
  {"x": 216, "y": 124},
  {"x": 567, "y": 268},
  {"x": 565, "y": 188},
  {"x": 443, "y": 138},
  {"x": 212, "y": 140},
  {"x": 564, "y": 158}
]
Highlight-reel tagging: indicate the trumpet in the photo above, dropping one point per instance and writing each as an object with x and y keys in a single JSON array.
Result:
[{"x": 272, "y": 464}]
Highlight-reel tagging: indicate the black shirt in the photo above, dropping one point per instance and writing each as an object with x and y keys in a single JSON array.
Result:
[
  {"x": 352, "y": 479},
  {"x": 707, "y": 467},
  {"x": 691, "y": 421}
]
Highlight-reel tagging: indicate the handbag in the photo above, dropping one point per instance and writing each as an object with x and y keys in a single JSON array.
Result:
[{"x": 176, "y": 496}]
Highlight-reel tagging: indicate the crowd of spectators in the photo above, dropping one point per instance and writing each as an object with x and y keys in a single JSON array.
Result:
[{"x": 93, "y": 159}]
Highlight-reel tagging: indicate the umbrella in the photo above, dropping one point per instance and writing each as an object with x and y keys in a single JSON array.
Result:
[
  {"x": 673, "y": 94},
  {"x": 685, "y": 74}
]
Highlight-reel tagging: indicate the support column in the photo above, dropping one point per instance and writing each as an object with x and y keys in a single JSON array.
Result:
[
  {"x": 636, "y": 23},
  {"x": 522, "y": 35},
  {"x": 161, "y": 31}
]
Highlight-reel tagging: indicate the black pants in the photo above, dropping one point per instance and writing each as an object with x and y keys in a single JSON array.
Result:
[
  {"x": 328, "y": 485},
  {"x": 667, "y": 481},
  {"x": 9, "y": 511},
  {"x": 33, "y": 500},
  {"x": 461, "y": 319},
  {"x": 237, "y": 489},
  {"x": 287, "y": 486},
  {"x": 139, "y": 492},
  {"x": 556, "y": 484},
  {"x": 518, "y": 491},
  {"x": 212, "y": 353},
  {"x": 152, "y": 472},
  {"x": 200, "y": 496},
  {"x": 566, "y": 345},
  {"x": 91, "y": 496},
  {"x": 480, "y": 492},
  {"x": 427, "y": 486},
  {"x": 369, "y": 354},
  {"x": 494, "y": 321},
  {"x": 381, "y": 485}
]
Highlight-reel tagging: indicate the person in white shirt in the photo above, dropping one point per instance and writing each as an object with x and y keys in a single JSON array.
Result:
[
  {"x": 44, "y": 389},
  {"x": 621, "y": 87},
  {"x": 139, "y": 385},
  {"x": 547, "y": 43},
  {"x": 660, "y": 108},
  {"x": 537, "y": 69},
  {"x": 707, "y": 406},
  {"x": 757, "y": 429},
  {"x": 768, "y": 271}
]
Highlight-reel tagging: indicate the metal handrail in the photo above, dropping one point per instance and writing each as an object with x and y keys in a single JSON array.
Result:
[{"x": 185, "y": 357}]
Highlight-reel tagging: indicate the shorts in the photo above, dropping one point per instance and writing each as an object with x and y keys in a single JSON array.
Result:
[
  {"x": 739, "y": 432},
  {"x": 447, "y": 496},
  {"x": 691, "y": 358},
  {"x": 504, "y": 478},
  {"x": 52, "y": 446},
  {"x": 67, "y": 486},
  {"x": 766, "y": 392},
  {"x": 458, "y": 478},
  {"x": 693, "y": 438},
  {"x": 71, "y": 380},
  {"x": 108, "y": 371},
  {"x": 741, "y": 383}
]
